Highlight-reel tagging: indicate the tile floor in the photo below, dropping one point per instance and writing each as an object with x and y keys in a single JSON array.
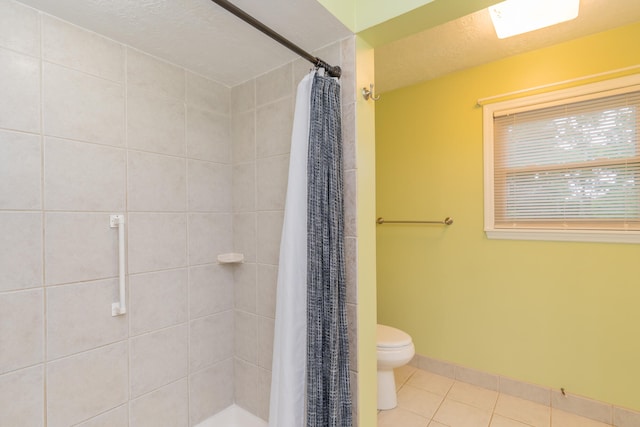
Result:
[{"x": 429, "y": 400}]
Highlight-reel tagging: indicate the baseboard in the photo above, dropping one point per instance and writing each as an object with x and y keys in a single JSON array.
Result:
[{"x": 585, "y": 407}]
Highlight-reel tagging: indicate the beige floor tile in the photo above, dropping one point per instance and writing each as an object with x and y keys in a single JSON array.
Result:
[
  {"x": 500, "y": 421},
  {"x": 431, "y": 382},
  {"x": 565, "y": 419},
  {"x": 437, "y": 424},
  {"x": 473, "y": 395},
  {"x": 402, "y": 374},
  {"x": 399, "y": 417},
  {"x": 419, "y": 401},
  {"x": 457, "y": 414},
  {"x": 525, "y": 411}
]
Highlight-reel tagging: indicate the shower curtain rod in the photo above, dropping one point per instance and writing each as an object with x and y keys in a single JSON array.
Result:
[{"x": 333, "y": 71}]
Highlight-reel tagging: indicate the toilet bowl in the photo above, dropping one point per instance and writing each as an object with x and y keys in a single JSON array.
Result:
[{"x": 394, "y": 349}]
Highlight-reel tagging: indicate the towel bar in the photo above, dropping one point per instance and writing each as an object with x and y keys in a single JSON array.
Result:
[{"x": 447, "y": 221}]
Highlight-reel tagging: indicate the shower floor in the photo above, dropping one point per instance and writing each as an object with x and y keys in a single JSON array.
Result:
[{"x": 233, "y": 416}]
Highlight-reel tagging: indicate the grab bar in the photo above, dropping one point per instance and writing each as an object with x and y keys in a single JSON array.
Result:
[
  {"x": 447, "y": 221},
  {"x": 119, "y": 308}
]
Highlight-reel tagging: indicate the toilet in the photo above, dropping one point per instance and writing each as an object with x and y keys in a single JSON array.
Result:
[{"x": 394, "y": 349}]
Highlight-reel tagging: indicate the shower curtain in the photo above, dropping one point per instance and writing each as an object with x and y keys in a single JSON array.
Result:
[{"x": 310, "y": 340}]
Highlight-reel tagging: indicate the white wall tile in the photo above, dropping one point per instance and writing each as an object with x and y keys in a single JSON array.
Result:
[
  {"x": 211, "y": 289},
  {"x": 83, "y": 107},
  {"x": 269, "y": 233},
  {"x": 245, "y": 287},
  {"x": 207, "y": 94},
  {"x": 20, "y": 171},
  {"x": 246, "y": 336},
  {"x": 211, "y": 340},
  {"x": 79, "y": 247},
  {"x": 156, "y": 183},
  {"x": 352, "y": 331},
  {"x": 244, "y": 235},
  {"x": 331, "y": 54},
  {"x": 82, "y": 50},
  {"x": 118, "y": 417},
  {"x": 157, "y": 300},
  {"x": 158, "y": 358},
  {"x": 273, "y": 128},
  {"x": 22, "y": 398},
  {"x": 349, "y": 152},
  {"x": 85, "y": 385},
  {"x": 350, "y": 211},
  {"x": 209, "y": 236},
  {"x": 264, "y": 393},
  {"x": 274, "y": 85},
  {"x": 272, "y": 176},
  {"x": 155, "y": 123},
  {"x": 154, "y": 75},
  {"x": 21, "y": 260},
  {"x": 19, "y": 91},
  {"x": 351, "y": 264},
  {"x": 266, "y": 328},
  {"x": 210, "y": 390},
  {"x": 348, "y": 64},
  {"x": 301, "y": 67},
  {"x": 243, "y": 96},
  {"x": 157, "y": 241},
  {"x": 209, "y": 187},
  {"x": 267, "y": 290},
  {"x": 79, "y": 317},
  {"x": 246, "y": 380},
  {"x": 244, "y": 187},
  {"x": 243, "y": 136},
  {"x": 19, "y": 28},
  {"x": 83, "y": 177},
  {"x": 208, "y": 136},
  {"x": 167, "y": 406},
  {"x": 21, "y": 329}
]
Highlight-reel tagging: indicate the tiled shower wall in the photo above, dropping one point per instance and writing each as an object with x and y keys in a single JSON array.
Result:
[
  {"x": 89, "y": 128},
  {"x": 262, "y": 118}
]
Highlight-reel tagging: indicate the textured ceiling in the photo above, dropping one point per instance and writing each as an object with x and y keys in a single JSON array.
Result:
[
  {"x": 201, "y": 36},
  {"x": 471, "y": 41}
]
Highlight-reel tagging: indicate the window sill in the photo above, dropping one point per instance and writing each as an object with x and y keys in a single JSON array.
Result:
[{"x": 566, "y": 235}]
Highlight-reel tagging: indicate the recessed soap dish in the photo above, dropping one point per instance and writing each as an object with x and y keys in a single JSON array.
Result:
[{"x": 230, "y": 258}]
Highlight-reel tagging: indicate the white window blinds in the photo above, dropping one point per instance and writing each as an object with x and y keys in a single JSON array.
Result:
[{"x": 570, "y": 164}]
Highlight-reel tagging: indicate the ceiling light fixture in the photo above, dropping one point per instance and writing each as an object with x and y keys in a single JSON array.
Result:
[{"x": 514, "y": 17}]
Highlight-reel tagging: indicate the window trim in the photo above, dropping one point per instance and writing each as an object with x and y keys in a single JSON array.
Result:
[{"x": 592, "y": 90}]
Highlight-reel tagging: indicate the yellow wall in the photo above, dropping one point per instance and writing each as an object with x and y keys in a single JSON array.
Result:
[
  {"x": 366, "y": 202},
  {"x": 550, "y": 313}
]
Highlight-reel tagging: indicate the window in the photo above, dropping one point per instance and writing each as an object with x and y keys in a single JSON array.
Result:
[{"x": 565, "y": 165}]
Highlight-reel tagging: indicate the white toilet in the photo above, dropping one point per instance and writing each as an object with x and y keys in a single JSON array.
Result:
[{"x": 395, "y": 349}]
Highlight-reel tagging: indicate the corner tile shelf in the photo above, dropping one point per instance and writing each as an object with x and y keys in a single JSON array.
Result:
[{"x": 231, "y": 258}]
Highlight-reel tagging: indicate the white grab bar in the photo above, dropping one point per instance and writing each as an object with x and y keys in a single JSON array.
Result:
[{"x": 119, "y": 308}]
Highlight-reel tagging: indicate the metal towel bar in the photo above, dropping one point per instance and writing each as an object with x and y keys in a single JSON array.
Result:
[{"x": 447, "y": 221}]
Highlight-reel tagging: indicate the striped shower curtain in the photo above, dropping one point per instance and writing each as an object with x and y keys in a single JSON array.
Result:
[{"x": 310, "y": 339}]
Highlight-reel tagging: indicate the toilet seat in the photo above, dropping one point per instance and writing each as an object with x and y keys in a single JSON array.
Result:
[{"x": 388, "y": 337}]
